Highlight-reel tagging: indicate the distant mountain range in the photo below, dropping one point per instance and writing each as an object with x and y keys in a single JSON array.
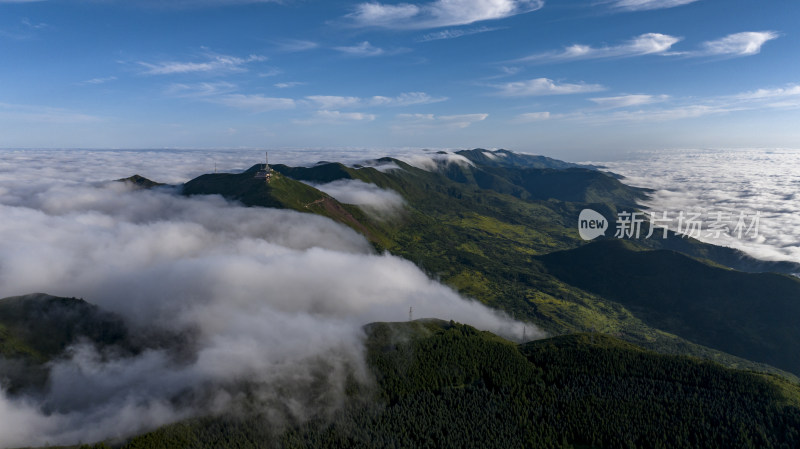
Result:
[{"x": 501, "y": 227}]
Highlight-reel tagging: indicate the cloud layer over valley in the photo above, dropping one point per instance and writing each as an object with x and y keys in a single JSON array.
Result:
[
  {"x": 730, "y": 182},
  {"x": 270, "y": 297}
]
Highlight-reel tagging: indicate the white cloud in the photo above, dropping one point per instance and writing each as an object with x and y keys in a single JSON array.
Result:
[
  {"x": 182, "y": 4},
  {"x": 738, "y": 44},
  {"x": 792, "y": 90},
  {"x": 289, "y": 84},
  {"x": 338, "y": 116},
  {"x": 421, "y": 117},
  {"x": 505, "y": 71},
  {"x": 363, "y": 49},
  {"x": 381, "y": 166},
  {"x": 696, "y": 181},
  {"x": 544, "y": 86},
  {"x": 332, "y": 117},
  {"x": 431, "y": 121},
  {"x": 100, "y": 80},
  {"x": 255, "y": 103},
  {"x": 200, "y": 89},
  {"x": 625, "y": 101},
  {"x": 27, "y": 30},
  {"x": 212, "y": 63},
  {"x": 647, "y": 108},
  {"x": 437, "y": 161},
  {"x": 663, "y": 114},
  {"x": 645, "y": 44},
  {"x": 43, "y": 114},
  {"x": 379, "y": 203},
  {"x": 296, "y": 45},
  {"x": 461, "y": 120},
  {"x": 34, "y": 26},
  {"x": 265, "y": 295},
  {"x": 438, "y": 13},
  {"x": 530, "y": 117},
  {"x": 270, "y": 72},
  {"x": 200, "y": 3},
  {"x": 787, "y": 97},
  {"x": 642, "y": 5},
  {"x": 454, "y": 33},
  {"x": 404, "y": 99},
  {"x": 335, "y": 101},
  {"x": 223, "y": 93},
  {"x": 377, "y": 14}
]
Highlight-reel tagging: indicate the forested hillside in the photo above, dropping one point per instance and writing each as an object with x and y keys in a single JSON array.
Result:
[
  {"x": 483, "y": 225},
  {"x": 447, "y": 385},
  {"x": 751, "y": 315}
]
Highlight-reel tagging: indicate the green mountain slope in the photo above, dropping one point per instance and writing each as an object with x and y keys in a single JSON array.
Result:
[
  {"x": 481, "y": 189},
  {"x": 479, "y": 229},
  {"x": 447, "y": 385},
  {"x": 141, "y": 182},
  {"x": 42, "y": 326},
  {"x": 505, "y": 158},
  {"x": 722, "y": 255},
  {"x": 36, "y": 328},
  {"x": 571, "y": 183},
  {"x": 486, "y": 245},
  {"x": 751, "y": 315},
  {"x": 282, "y": 192}
]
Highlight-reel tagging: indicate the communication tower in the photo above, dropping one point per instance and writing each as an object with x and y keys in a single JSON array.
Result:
[{"x": 265, "y": 173}]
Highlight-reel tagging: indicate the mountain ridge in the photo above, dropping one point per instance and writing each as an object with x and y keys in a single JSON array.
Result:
[{"x": 485, "y": 238}]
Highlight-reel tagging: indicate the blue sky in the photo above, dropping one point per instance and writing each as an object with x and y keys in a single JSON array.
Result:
[{"x": 572, "y": 78}]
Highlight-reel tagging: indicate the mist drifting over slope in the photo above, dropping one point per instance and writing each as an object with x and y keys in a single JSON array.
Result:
[
  {"x": 728, "y": 181},
  {"x": 272, "y": 298}
]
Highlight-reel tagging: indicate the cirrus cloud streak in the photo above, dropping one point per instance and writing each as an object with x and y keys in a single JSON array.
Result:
[
  {"x": 544, "y": 86},
  {"x": 438, "y": 13}
]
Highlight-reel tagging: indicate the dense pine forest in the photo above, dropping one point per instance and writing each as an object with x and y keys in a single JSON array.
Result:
[{"x": 447, "y": 385}]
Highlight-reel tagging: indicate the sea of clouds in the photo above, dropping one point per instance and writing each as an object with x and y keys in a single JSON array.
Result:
[
  {"x": 728, "y": 181},
  {"x": 273, "y": 298}
]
